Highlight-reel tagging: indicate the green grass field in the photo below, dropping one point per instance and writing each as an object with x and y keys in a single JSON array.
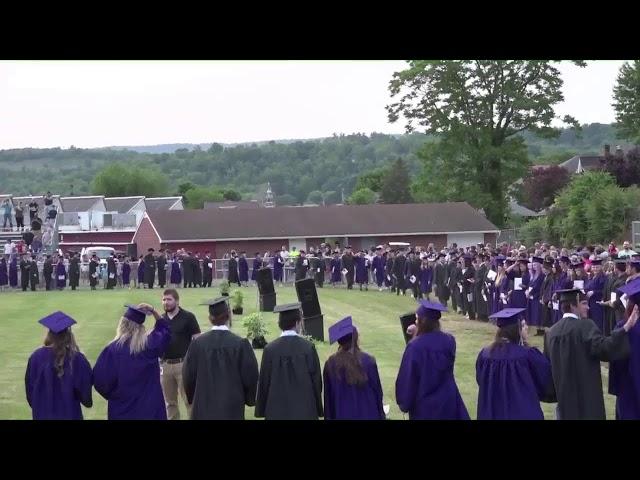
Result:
[{"x": 97, "y": 313}]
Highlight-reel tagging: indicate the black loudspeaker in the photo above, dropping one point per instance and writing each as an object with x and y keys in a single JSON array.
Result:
[
  {"x": 314, "y": 326},
  {"x": 267, "y": 302},
  {"x": 308, "y": 297},
  {"x": 406, "y": 321},
  {"x": 132, "y": 250},
  {"x": 264, "y": 279}
]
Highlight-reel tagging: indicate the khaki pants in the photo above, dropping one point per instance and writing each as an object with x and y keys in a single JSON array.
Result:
[{"x": 171, "y": 381}]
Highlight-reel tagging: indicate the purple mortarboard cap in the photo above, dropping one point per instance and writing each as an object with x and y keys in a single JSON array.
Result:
[
  {"x": 430, "y": 310},
  {"x": 596, "y": 262},
  {"x": 507, "y": 316},
  {"x": 134, "y": 314},
  {"x": 57, "y": 322},
  {"x": 565, "y": 259},
  {"x": 577, "y": 265},
  {"x": 632, "y": 290},
  {"x": 538, "y": 260},
  {"x": 341, "y": 329}
]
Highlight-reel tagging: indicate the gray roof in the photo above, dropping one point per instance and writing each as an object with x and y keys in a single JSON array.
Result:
[
  {"x": 121, "y": 204},
  {"x": 78, "y": 204},
  {"x": 521, "y": 210},
  {"x": 162, "y": 204},
  {"x": 314, "y": 222},
  {"x": 588, "y": 162},
  {"x": 231, "y": 204}
]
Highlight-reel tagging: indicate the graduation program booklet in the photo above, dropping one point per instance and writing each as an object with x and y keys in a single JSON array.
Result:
[
  {"x": 579, "y": 284},
  {"x": 491, "y": 275},
  {"x": 517, "y": 283},
  {"x": 613, "y": 297}
]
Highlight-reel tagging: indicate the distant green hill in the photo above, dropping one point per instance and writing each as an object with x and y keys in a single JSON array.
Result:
[{"x": 293, "y": 167}]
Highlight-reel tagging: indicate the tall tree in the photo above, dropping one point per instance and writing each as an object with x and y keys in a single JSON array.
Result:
[
  {"x": 541, "y": 186},
  {"x": 371, "y": 180},
  {"x": 362, "y": 196},
  {"x": 626, "y": 95},
  {"x": 477, "y": 109},
  {"x": 396, "y": 186},
  {"x": 120, "y": 180}
]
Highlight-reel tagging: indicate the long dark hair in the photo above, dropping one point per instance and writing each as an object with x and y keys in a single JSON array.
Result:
[
  {"x": 63, "y": 345},
  {"x": 510, "y": 333},
  {"x": 346, "y": 363}
]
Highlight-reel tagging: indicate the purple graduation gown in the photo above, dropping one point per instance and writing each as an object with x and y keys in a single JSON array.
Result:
[
  {"x": 13, "y": 272},
  {"x": 4, "y": 276},
  {"x": 596, "y": 312},
  {"x": 278, "y": 267},
  {"x": 176, "y": 274},
  {"x": 243, "y": 269},
  {"x": 140, "y": 271},
  {"x": 60, "y": 271},
  {"x": 254, "y": 270},
  {"x": 512, "y": 379},
  {"x": 426, "y": 277},
  {"x": 533, "y": 313},
  {"x": 51, "y": 397},
  {"x": 518, "y": 298},
  {"x": 126, "y": 273},
  {"x": 349, "y": 402},
  {"x": 131, "y": 383},
  {"x": 336, "y": 274},
  {"x": 362, "y": 275},
  {"x": 426, "y": 387},
  {"x": 378, "y": 264},
  {"x": 624, "y": 379}
]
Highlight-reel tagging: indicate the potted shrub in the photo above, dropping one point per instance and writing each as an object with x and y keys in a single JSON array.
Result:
[
  {"x": 224, "y": 289},
  {"x": 256, "y": 329},
  {"x": 236, "y": 298}
]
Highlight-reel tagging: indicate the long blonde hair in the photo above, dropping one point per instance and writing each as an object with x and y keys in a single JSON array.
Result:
[{"x": 135, "y": 332}]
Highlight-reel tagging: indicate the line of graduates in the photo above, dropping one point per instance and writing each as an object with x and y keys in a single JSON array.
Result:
[
  {"x": 221, "y": 376},
  {"x": 481, "y": 284}
]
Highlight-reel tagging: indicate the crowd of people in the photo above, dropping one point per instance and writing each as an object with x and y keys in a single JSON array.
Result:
[{"x": 142, "y": 373}]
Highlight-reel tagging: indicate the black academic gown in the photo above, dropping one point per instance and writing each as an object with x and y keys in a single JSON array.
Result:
[
  {"x": 479, "y": 302},
  {"x": 187, "y": 270},
  {"x": 197, "y": 272},
  {"x": 47, "y": 272},
  {"x": 34, "y": 276},
  {"x": 546, "y": 293},
  {"x": 93, "y": 267},
  {"x": 455, "y": 277},
  {"x": 440, "y": 280},
  {"x": 74, "y": 273},
  {"x": 347, "y": 262},
  {"x": 112, "y": 273},
  {"x": 317, "y": 266},
  {"x": 467, "y": 291},
  {"x": 612, "y": 283},
  {"x": 149, "y": 270},
  {"x": 290, "y": 385},
  {"x": 232, "y": 275},
  {"x": 575, "y": 348},
  {"x": 399, "y": 265},
  {"x": 220, "y": 375},
  {"x": 24, "y": 273},
  {"x": 301, "y": 267},
  {"x": 162, "y": 270},
  {"x": 207, "y": 272}
]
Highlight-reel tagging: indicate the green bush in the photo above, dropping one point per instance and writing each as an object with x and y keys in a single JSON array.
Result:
[
  {"x": 236, "y": 299},
  {"x": 255, "y": 325}
]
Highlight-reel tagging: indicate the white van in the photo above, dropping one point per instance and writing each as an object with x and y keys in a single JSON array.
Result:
[{"x": 103, "y": 253}]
